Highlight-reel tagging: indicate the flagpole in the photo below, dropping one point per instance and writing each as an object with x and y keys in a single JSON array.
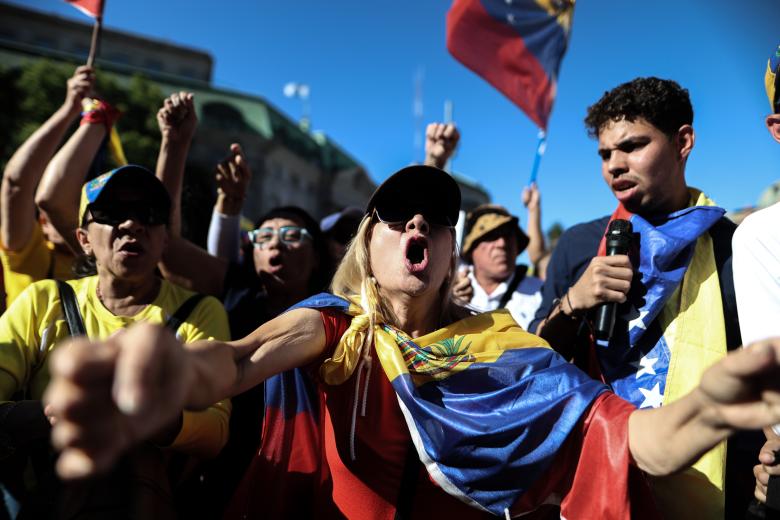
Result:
[
  {"x": 541, "y": 146},
  {"x": 93, "y": 48}
]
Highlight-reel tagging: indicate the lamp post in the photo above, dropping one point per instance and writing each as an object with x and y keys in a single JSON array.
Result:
[{"x": 301, "y": 91}]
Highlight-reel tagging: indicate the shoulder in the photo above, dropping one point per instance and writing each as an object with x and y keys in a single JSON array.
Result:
[
  {"x": 593, "y": 229},
  {"x": 529, "y": 285},
  {"x": 578, "y": 244},
  {"x": 208, "y": 315},
  {"x": 758, "y": 224}
]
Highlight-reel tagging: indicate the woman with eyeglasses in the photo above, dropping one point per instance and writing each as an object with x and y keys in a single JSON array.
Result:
[
  {"x": 284, "y": 261},
  {"x": 123, "y": 219},
  {"x": 386, "y": 400}
]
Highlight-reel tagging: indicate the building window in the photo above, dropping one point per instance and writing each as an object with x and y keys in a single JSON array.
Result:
[{"x": 155, "y": 65}]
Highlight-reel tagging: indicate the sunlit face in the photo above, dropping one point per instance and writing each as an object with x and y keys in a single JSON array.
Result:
[
  {"x": 643, "y": 167},
  {"x": 284, "y": 263},
  {"x": 495, "y": 253},
  {"x": 129, "y": 249},
  {"x": 411, "y": 258}
]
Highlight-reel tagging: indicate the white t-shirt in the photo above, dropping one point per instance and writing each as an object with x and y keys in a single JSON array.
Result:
[
  {"x": 523, "y": 304},
  {"x": 756, "y": 263}
]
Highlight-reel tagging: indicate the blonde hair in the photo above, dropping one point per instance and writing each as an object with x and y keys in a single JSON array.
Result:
[{"x": 354, "y": 278}]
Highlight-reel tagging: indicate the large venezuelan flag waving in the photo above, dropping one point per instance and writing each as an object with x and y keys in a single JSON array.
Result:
[
  {"x": 516, "y": 45},
  {"x": 499, "y": 420}
]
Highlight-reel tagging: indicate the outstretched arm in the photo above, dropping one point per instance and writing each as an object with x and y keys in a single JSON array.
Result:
[
  {"x": 26, "y": 166},
  {"x": 739, "y": 392},
  {"x": 109, "y": 398}
]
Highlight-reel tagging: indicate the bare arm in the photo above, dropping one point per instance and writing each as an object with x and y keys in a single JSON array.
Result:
[
  {"x": 533, "y": 202},
  {"x": 60, "y": 188},
  {"x": 150, "y": 377},
  {"x": 26, "y": 166},
  {"x": 193, "y": 268},
  {"x": 183, "y": 262},
  {"x": 177, "y": 121},
  {"x": 739, "y": 392}
]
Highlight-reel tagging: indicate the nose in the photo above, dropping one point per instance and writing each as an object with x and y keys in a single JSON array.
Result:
[
  {"x": 617, "y": 163},
  {"x": 274, "y": 243},
  {"x": 130, "y": 224},
  {"x": 418, "y": 223}
]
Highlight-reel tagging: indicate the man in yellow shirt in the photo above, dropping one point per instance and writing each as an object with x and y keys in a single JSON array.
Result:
[{"x": 123, "y": 216}]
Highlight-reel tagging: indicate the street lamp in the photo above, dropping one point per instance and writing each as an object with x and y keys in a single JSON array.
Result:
[{"x": 300, "y": 91}]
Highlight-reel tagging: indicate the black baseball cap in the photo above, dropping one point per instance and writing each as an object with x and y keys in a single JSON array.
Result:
[{"x": 425, "y": 189}]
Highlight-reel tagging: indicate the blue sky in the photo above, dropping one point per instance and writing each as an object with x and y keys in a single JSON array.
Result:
[{"x": 360, "y": 58}]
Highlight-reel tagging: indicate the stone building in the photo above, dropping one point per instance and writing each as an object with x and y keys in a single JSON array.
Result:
[{"x": 290, "y": 165}]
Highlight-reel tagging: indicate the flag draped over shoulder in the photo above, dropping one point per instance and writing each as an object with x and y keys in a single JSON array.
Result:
[
  {"x": 489, "y": 407},
  {"x": 516, "y": 45},
  {"x": 93, "y": 8},
  {"x": 670, "y": 331}
]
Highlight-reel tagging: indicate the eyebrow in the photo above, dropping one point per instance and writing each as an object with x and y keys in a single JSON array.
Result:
[{"x": 630, "y": 140}]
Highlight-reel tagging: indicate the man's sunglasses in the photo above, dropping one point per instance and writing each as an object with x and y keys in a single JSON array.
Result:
[
  {"x": 119, "y": 212},
  {"x": 288, "y": 235},
  {"x": 398, "y": 215}
]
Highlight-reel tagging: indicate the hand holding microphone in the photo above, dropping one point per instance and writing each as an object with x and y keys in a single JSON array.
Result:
[
  {"x": 606, "y": 280},
  {"x": 618, "y": 239}
]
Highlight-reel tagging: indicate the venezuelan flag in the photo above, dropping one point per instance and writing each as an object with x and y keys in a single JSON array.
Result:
[
  {"x": 499, "y": 420},
  {"x": 516, "y": 45},
  {"x": 670, "y": 330}
]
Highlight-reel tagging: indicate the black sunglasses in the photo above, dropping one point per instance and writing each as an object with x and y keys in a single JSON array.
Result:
[
  {"x": 399, "y": 214},
  {"x": 119, "y": 212}
]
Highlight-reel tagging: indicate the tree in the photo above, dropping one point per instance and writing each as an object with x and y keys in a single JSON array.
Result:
[{"x": 32, "y": 92}]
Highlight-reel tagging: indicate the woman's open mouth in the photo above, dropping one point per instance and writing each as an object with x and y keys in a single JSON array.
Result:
[{"x": 416, "y": 254}]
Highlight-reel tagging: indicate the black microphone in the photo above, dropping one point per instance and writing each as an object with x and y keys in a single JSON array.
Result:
[{"x": 618, "y": 242}]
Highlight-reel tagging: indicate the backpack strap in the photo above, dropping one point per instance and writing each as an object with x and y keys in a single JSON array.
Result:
[
  {"x": 183, "y": 312},
  {"x": 520, "y": 271},
  {"x": 70, "y": 306}
]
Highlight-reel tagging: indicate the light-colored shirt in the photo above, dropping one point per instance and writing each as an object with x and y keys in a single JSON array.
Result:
[
  {"x": 756, "y": 263},
  {"x": 522, "y": 305}
]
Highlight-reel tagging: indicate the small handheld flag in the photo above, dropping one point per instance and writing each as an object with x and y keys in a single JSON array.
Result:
[{"x": 93, "y": 8}]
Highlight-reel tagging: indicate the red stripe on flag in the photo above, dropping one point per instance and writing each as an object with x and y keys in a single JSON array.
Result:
[
  {"x": 496, "y": 52},
  {"x": 93, "y": 8}
]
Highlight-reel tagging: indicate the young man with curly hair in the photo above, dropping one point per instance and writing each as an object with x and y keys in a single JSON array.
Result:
[{"x": 674, "y": 291}]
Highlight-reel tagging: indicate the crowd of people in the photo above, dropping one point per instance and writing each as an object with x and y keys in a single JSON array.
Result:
[{"x": 369, "y": 366}]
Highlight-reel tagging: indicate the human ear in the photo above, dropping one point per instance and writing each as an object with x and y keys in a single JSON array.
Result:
[
  {"x": 83, "y": 237},
  {"x": 685, "y": 139}
]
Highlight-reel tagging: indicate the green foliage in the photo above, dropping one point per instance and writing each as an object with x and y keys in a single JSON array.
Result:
[
  {"x": 554, "y": 232},
  {"x": 33, "y": 92}
]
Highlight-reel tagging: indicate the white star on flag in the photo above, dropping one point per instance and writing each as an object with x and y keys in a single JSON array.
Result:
[
  {"x": 639, "y": 321},
  {"x": 647, "y": 364},
  {"x": 653, "y": 398}
]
